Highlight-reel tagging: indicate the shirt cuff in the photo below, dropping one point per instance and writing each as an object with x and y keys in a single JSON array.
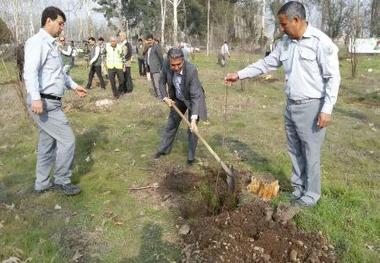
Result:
[
  {"x": 248, "y": 73},
  {"x": 35, "y": 96},
  {"x": 327, "y": 108},
  {"x": 194, "y": 117}
]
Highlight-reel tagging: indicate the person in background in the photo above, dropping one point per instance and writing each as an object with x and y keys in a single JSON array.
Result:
[
  {"x": 95, "y": 63},
  {"x": 224, "y": 52},
  {"x": 312, "y": 79},
  {"x": 102, "y": 47},
  {"x": 140, "y": 57},
  {"x": 46, "y": 82},
  {"x": 115, "y": 65},
  {"x": 66, "y": 51},
  {"x": 154, "y": 61},
  {"x": 127, "y": 50}
]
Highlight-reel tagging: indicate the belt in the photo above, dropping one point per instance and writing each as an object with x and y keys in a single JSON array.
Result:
[
  {"x": 298, "y": 102},
  {"x": 50, "y": 97}
]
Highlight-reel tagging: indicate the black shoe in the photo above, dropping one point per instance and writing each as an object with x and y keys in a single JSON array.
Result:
[
  {"x": 67, "y": 189},
  {"x": 157, "y": 155},
  {"x": 190, "y": 162},
  {"x": 43, "y": 190}
]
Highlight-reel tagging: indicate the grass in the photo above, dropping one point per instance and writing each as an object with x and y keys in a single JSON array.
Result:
[{"x": 108, "y": 223}]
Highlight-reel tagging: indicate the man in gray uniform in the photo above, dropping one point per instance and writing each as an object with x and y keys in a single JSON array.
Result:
[
  {"x": 312, "y": 80},
  {"x": 186, "y": 92},
  {"x": 46, "y": 82}
]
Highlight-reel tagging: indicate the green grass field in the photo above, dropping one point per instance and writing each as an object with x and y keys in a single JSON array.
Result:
[{"x": 109, "y": 223}]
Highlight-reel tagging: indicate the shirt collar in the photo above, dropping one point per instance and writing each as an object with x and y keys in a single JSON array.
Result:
[
  {"x": 47, "y": 36},
  {"x": 309, "y": 32}
]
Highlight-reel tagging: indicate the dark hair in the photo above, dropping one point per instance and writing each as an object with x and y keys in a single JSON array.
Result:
[
  {"x": 149, "y": 36},
  {"x": 293, "y": 9},
  {"x": 51, "y": 12},
  {"x": 140, "y": 39},
  {"x": 101, "y": 39},
  {"x": 175, "y": 53},
  {"x": 91, "y": 38}
]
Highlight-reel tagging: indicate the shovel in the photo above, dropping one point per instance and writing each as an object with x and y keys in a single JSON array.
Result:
[{"x": 230, "y": 174}]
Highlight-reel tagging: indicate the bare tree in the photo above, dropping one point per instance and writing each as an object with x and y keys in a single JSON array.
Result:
[
  {"x": 175, "y": 4},
  {"x": 375, "y": 22},
  {"x": 208, "y": 27},
  {"x": 163, "y": 18}
]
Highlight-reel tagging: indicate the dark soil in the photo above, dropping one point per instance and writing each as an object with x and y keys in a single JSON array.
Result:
[{"x": 224, "y": 230}]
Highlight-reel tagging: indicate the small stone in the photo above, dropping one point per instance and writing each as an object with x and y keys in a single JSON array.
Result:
[
  {"x": 266, "y": 258},
  {"x": 299, "y": 243},
  {"x": 331, "y": 247},
  {"x": 57, "y": 207},
  {"x": 293, "y": 255},
  {"x": 184, "y": 230},
  {"x": 325, "y": 248},
  {"x": 259, "y": 249},
  {"x": 117, "y": 150}
]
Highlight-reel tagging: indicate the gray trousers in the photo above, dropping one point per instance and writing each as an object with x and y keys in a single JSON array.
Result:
[
  {"x": 155, "y": 77},
  {"x": 170, "y": 131},
  {"x": 56, "y": 145},
  {"x": 304, "y": 146}
]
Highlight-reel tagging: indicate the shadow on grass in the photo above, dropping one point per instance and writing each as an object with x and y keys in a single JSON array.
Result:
[
  {"x": 85, "y": 144},
  {"x": 254, "y": 159},
  {"x": 153, "y": 248}
]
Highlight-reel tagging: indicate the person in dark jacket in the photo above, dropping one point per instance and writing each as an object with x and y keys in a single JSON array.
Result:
[{"x": 186, "y": 92}]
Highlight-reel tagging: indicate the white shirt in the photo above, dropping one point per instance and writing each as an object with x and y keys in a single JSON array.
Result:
[{"x": 43, "y": 67}]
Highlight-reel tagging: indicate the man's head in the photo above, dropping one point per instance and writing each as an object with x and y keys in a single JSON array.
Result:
[
  {"x": 61, "y": 40},
  {"x": 149, "y": 39},
  {"x": 113, "y": 41},
  {"x": 91, "y": 40},
  {"x": 122, "y": 36},
  {"x": 101, "y": 40},
  {"x": 140, "y": 40},
  {"x": 176, "y": 60},
  {"x": 53, "y": 20},
  {"x": 292, "y": 18}
]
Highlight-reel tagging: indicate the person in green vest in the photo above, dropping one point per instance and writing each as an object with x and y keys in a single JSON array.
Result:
[
  {"x": 114, "y": 63},
  {"x": 67, "y": 54},
  {"x": 95, "y": 63}
]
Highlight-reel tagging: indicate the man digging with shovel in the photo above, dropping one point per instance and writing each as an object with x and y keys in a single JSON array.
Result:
[
  {"x": 186, "y": 93},
  {"x": 312, "y": 79}
]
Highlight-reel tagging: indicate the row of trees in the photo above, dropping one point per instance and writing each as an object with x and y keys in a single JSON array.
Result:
[{"x": 246, "y": 23}]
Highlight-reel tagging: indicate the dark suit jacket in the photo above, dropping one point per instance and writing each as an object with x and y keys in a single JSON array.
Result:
[
  {"x": 155, "y": 59},
  {"x": 191, "y": 88}
]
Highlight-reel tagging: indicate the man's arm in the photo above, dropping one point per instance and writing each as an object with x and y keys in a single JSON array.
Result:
[
  {"x": 66, "y": 52},
  {"x": 33, "y": 60},
  {"x": 159, "y": 54},
  {"x": 162, "y": 85},
  {"x": 328, "y": 61},
  {"x": 269, "y": 63}
]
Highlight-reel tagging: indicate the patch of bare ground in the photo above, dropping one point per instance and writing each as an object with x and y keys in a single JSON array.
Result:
[{"x": 216, "y": 226}]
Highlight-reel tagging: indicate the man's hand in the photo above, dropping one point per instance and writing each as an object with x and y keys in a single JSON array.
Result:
[
  {"x": 324, "y": 120},
  {"x": 231, "y": 78},
  {"x": 169, "y": 101},
  {"x": 37, "y": 106},
  {"x": 194, "y": 127},
  {"x": 80, "y": 91}
]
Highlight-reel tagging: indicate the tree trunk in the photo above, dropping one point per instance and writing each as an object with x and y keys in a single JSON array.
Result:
[
  {"x": 208, "y": 27},
  {"x": 163, "y": 16}
]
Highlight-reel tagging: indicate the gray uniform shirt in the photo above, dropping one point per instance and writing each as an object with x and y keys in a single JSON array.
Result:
[
  {"x": 311, "y": 67},
  {"x": 43, "y": 68}
]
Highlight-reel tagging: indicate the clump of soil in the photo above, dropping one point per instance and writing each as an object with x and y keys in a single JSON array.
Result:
[{"x": 221, "y": 229}]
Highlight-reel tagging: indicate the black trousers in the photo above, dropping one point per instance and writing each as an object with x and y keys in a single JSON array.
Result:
[
  {"x": 171, "y": 129},
  {"x": 98, "y": 70},
  {"x": 142, "y": 69},
  {"x": 120, "y": 75},
  {"x": 128, "y": 84}
]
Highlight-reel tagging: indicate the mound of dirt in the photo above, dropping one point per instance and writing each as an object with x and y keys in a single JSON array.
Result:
[{"x": 221, "y": 229}]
